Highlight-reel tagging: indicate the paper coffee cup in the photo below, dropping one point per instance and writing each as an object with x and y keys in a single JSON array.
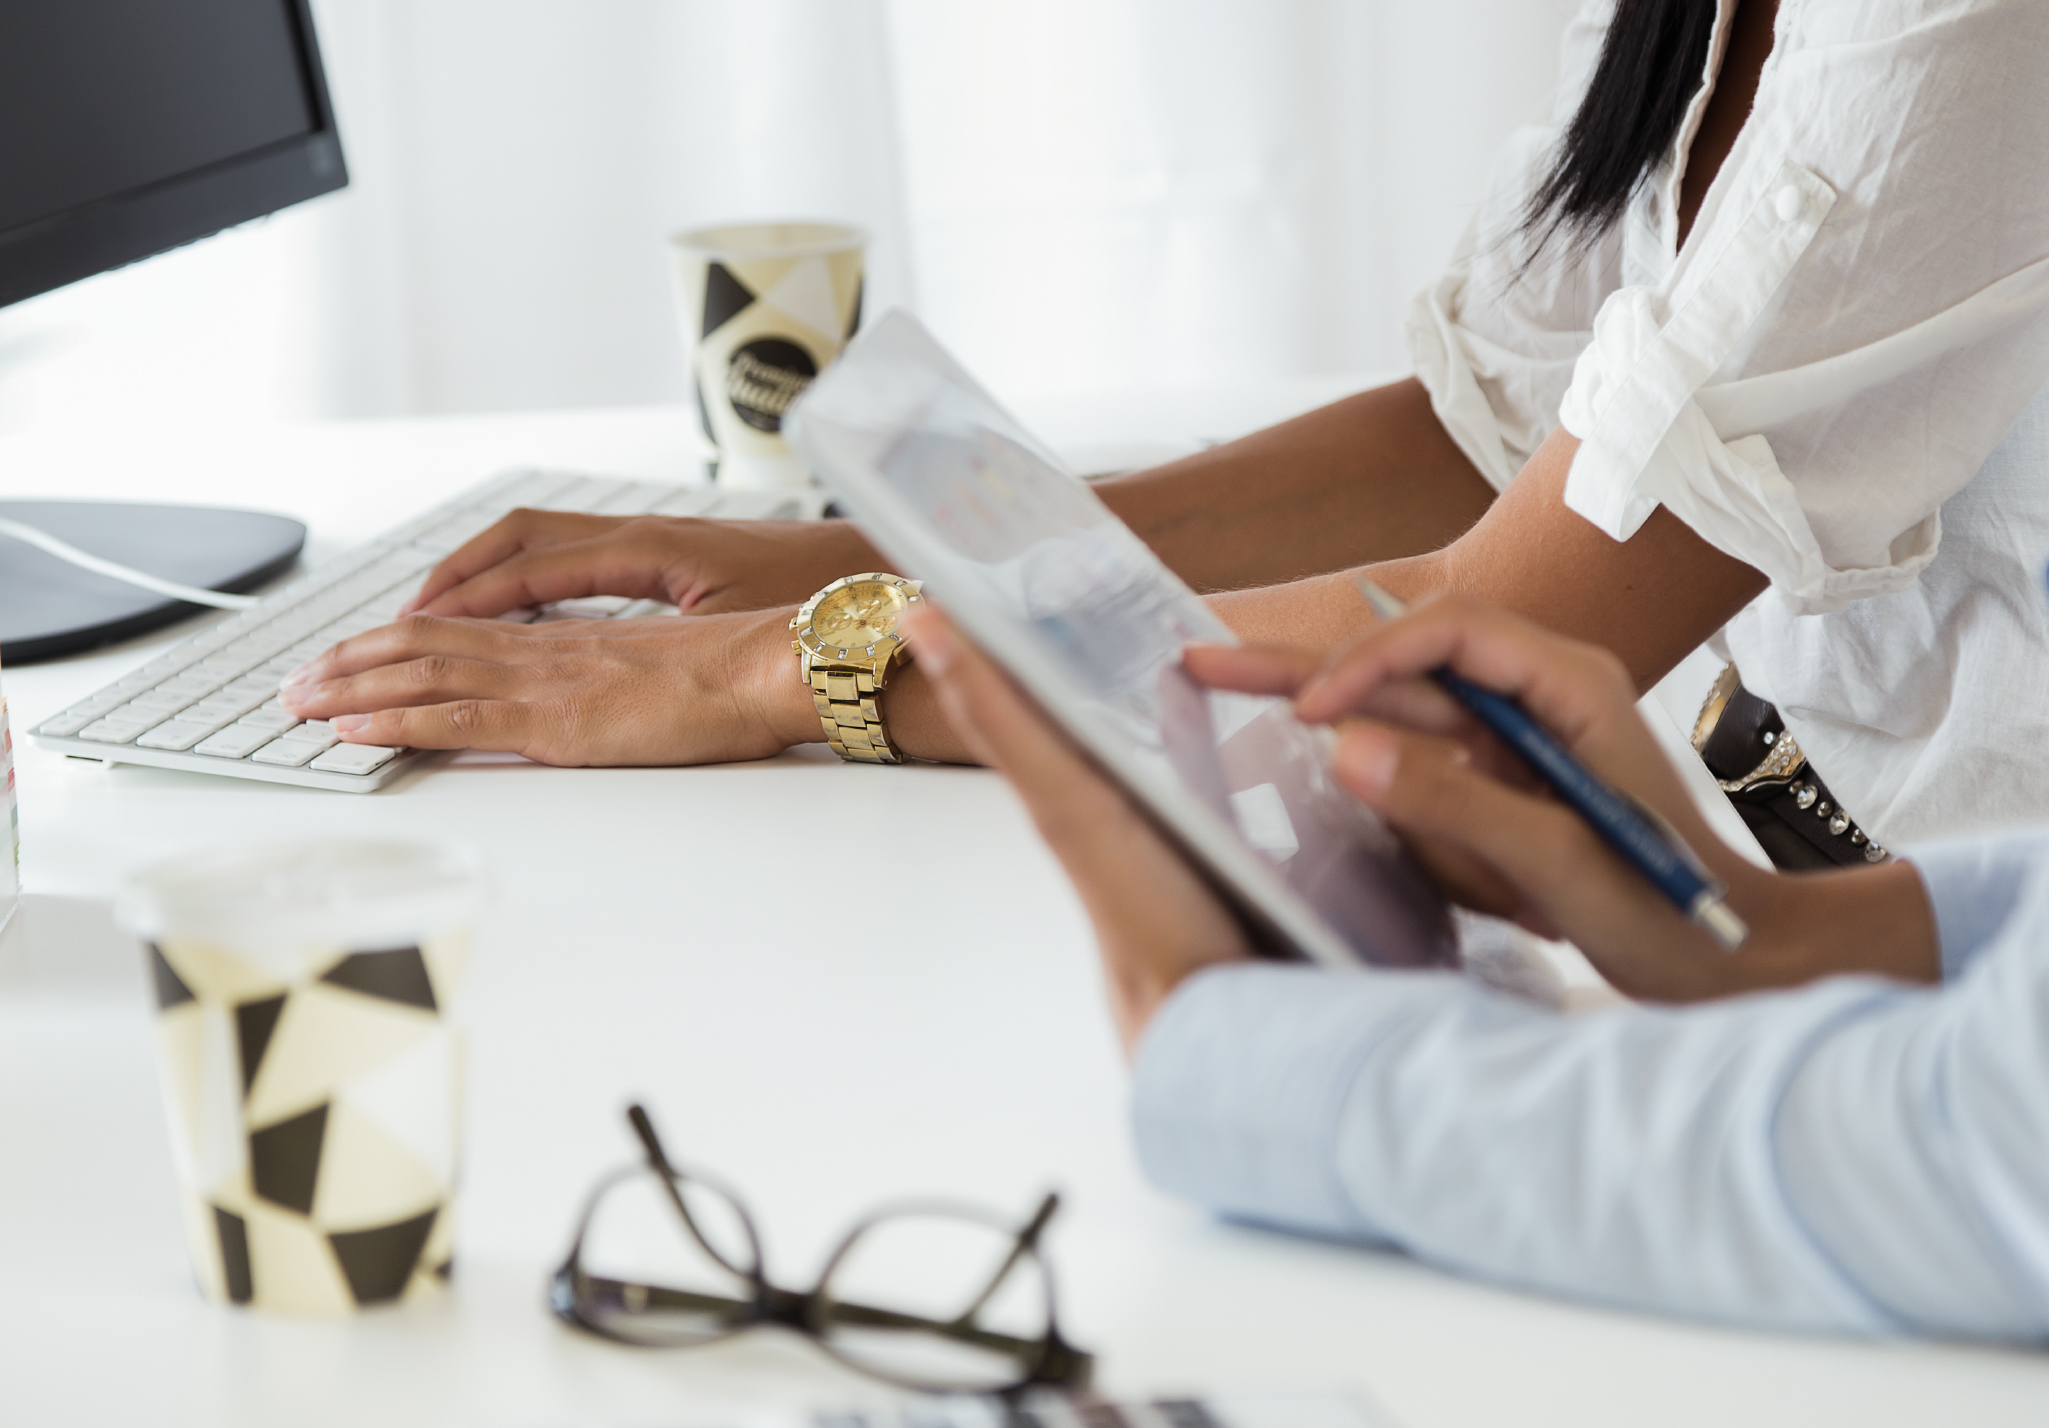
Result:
[
  {"x": 766, "y": 307},
  {"x": 310, "y": 1064}
]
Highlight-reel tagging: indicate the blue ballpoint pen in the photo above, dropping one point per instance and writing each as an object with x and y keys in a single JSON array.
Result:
[{"x": 1662, "y": 859}]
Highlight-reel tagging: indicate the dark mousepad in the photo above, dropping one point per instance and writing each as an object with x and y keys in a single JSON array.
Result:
[{"x": 49, "y": 607}]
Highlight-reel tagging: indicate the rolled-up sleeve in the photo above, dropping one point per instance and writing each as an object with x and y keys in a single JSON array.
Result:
[
  {"x": 1859, "y": 315},
  {"x": 1495, "y": 337},
  {"x": 1852, "y": 1156}
]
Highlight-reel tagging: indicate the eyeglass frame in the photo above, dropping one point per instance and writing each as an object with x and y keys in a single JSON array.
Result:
[{"x": 1048, "y": 1361}]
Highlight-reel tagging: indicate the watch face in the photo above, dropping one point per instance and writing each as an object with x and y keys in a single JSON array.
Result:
[{"x": 856, "y": 616}]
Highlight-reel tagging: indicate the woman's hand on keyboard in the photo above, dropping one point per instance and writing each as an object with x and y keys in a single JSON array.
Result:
[
  {"x": 647, "y": 691},
  {"x": 703, "y": 567}
]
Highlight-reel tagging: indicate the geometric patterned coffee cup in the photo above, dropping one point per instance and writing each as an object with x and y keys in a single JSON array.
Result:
[
  {"x": 311, "y": 1064},
  {"x": 765, "y": 307}
]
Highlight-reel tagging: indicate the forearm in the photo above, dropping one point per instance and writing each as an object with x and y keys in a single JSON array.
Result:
[
  {"x": 1651, "y": 599},
  {"x": 1624, "y": 1157},
  {"x": 1373, "y": 477}
]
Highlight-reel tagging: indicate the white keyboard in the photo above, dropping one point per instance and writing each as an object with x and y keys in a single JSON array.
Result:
[{"x": 210, "y": 703}]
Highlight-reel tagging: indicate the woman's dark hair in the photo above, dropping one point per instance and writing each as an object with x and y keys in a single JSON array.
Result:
[{"x": 1650, "y": 65}]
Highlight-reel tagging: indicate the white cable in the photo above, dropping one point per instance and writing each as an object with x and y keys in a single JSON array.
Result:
[{"x": 64, "y": 550}]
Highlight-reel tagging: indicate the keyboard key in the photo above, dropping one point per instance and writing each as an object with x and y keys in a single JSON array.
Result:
[
  {"x": 384, "y": 609},
  {"x": 175, "y": 735},
  {"x": 588, "y": 495},
  {"x": 155, "y": 703},
  {"x": 267, "y": 648},
  {"x": 690, "y": 501},
  {"x": 164, "y": 666},
  {"x": 317, "y": 732},
  {"x": 237, "y": 741},
  {"x": 286, "y": 753},
  {"x": 66, "y": 724},
  {"x": 456, "y": 531},
  {"x": 354, "y": 759},
  {"x": 79, "y": 715},
  {"x": 272, "y": 716},
  {"x": 112, "y": 731},
  {"x": 223, "y": 709},
  {"x": 536, "y": 488},
  {"x": 635, "y": 498}
]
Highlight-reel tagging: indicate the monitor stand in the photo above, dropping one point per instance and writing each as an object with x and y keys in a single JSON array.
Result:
[{"x": 49, "y": 607}]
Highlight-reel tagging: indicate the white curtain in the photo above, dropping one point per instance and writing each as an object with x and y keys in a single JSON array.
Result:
[{"x": 1076, "y": 194}]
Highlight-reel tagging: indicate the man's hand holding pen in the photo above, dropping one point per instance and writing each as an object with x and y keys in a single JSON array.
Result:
[{"x": 1492, "y": 835}]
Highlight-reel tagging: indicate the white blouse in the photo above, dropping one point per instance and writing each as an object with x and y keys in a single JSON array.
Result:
[{"x": 1838, "y": 380}]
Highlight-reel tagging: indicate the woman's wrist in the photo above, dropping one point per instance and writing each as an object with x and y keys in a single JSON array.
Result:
[
  {"x": 778, "y": 698},
  {"x": 1871, "y": 921}
]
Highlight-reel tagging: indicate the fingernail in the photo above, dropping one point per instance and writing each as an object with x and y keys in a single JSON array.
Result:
[
  {"x": 349, "y": 723},
  {"x": 301, "y": 675},
  {"x": 1366, "y": 762}
]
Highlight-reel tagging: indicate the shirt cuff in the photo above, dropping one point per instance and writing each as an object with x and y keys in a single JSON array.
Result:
[
  {"x": 1241, "y": 1080},
  {"x": 1640, "y": 403},
  {"x": 1975, "y": 885},
  {"x": 1437, "y": 347}
]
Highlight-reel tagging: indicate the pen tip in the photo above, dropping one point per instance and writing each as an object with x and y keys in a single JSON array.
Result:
[
  {"x": 1378, "y": 598},
  {"x": 1723, "y": 925}
]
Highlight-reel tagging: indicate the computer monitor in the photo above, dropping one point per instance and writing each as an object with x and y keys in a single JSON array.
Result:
[{"x": 129, "y": 127}]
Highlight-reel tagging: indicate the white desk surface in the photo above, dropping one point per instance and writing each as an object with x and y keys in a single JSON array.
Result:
[{"x": 675, "y": 934}]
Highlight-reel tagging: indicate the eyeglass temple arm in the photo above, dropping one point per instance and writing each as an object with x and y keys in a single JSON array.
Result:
[
  {"x": 1027, "y": 1240},
  {"x": 1057, "y": 1361},
  {"x": 865, "y": 1316},
  {"x": 658, "y": 1161}
]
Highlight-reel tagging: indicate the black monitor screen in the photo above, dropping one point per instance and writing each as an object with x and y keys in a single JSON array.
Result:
[{"x": 130, "y": 126}]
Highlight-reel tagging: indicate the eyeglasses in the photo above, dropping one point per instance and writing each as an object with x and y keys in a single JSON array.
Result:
[{"x": 668, "y": 1259}]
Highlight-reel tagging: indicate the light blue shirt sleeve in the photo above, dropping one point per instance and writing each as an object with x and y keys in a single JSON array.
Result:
[
  {"x": 1973, "y": 884},
  {"x": 1855, "y": 1155}
]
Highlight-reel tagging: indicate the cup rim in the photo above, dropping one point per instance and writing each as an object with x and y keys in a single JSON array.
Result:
[
  {"x": 725, "y": 240},
  {"x": 171, "y": 897}
]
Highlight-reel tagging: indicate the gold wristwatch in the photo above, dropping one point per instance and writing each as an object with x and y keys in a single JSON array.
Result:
[{"x": 847, "y": 642}]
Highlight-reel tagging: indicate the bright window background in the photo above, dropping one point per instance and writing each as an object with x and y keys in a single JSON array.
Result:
[{"x": 1077, "y": 194}]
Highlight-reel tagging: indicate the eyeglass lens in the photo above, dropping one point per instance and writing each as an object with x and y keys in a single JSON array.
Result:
[
  {"x": 646, "y": 1277},
  {"x": 937, "y": 1300}
]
